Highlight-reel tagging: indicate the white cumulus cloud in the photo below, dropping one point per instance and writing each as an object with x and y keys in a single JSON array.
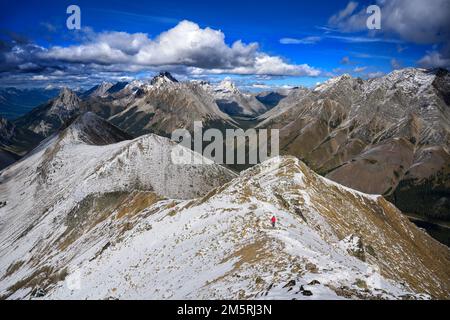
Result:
[{"x": 187, "y": 45}]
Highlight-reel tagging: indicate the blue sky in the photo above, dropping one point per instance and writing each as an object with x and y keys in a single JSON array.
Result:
[{"x": 282, "y": 42}]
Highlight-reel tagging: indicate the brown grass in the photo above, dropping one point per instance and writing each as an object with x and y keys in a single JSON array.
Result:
[
  {"x": 251, "y": 253},
  {"x": 41, "y": 278},
  {"x": 136, "y": 203},
  {"x": 13, "y": 268}
]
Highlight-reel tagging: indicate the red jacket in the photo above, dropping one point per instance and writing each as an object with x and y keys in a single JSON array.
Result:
[{"x": 273, "y": 219}]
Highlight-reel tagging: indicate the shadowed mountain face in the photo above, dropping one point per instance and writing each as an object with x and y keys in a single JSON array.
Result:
[
  {"x": 15, "y": 142},
  {"x": 7, "y": 158},
  {"x": 25, "y": 133},
  {"x": 93, "y": 130},
  {"x": 270, "y": 99},
  {"x": 425, "y": 186},
  {"x": 17, "y": 102},
  {"x": 387, "y": 136},
  {"x": 234, "y": 102}
]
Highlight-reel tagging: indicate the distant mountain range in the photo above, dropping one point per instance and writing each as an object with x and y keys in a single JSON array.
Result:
[
  {"x": 387, "y": 136},
  {"x": 164, "y": 104},
  {"x": 90, "y": 214},
  {"x": 90, "y": 192}
]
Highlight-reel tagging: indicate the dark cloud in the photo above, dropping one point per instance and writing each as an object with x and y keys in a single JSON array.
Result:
[{"x": 416, "y": 21}]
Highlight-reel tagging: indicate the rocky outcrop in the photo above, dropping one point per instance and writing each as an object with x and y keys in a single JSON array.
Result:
[{"x": 48, "y": 118}]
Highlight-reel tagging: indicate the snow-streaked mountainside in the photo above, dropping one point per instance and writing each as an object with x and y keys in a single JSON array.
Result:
[
  {"x": 91, "y": 149},
  {"x": 88, "y": 163},
  {"x": 370, "y": 135},
  {"x": 100, "y": 90},
  {"x": 94, "y": 239},
  {"x": 391, "y": 98}
]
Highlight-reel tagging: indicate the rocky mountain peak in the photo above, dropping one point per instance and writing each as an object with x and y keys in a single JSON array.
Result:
[
  {"x": 100, "y": 90},
  {"x": 233, "y": 102},
  {"x": 65, "y": 91},
  {"x": 90, "y": 129},
  {"x": 345, "y": 76},
  {"x": 341, "y": 82},
  {"x": 104, "y": 87},
  {"x": 163, "y": 78},
  {"x": 228, "y": 85},
  {"x": 67, "y": 100},
  {"x": 203, "y": 84}
]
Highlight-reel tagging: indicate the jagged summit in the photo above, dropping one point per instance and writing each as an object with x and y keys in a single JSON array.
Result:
[
  {"x": 233, "y": 102},
  {"x": 65, "y": 91},
  {"x": 202, "y": 83},
  {"x": 227, "y": 85},
  {"x": 67, "y": 101},
  {"x": 100, "y": 90},
  {"x": 162, "y": 78},
  {"x": 342, "y": 88},
  {"x": 90, "y": 129}
]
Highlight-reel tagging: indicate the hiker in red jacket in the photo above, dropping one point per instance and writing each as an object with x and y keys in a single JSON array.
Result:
[{"x": 274, "y": 221}]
